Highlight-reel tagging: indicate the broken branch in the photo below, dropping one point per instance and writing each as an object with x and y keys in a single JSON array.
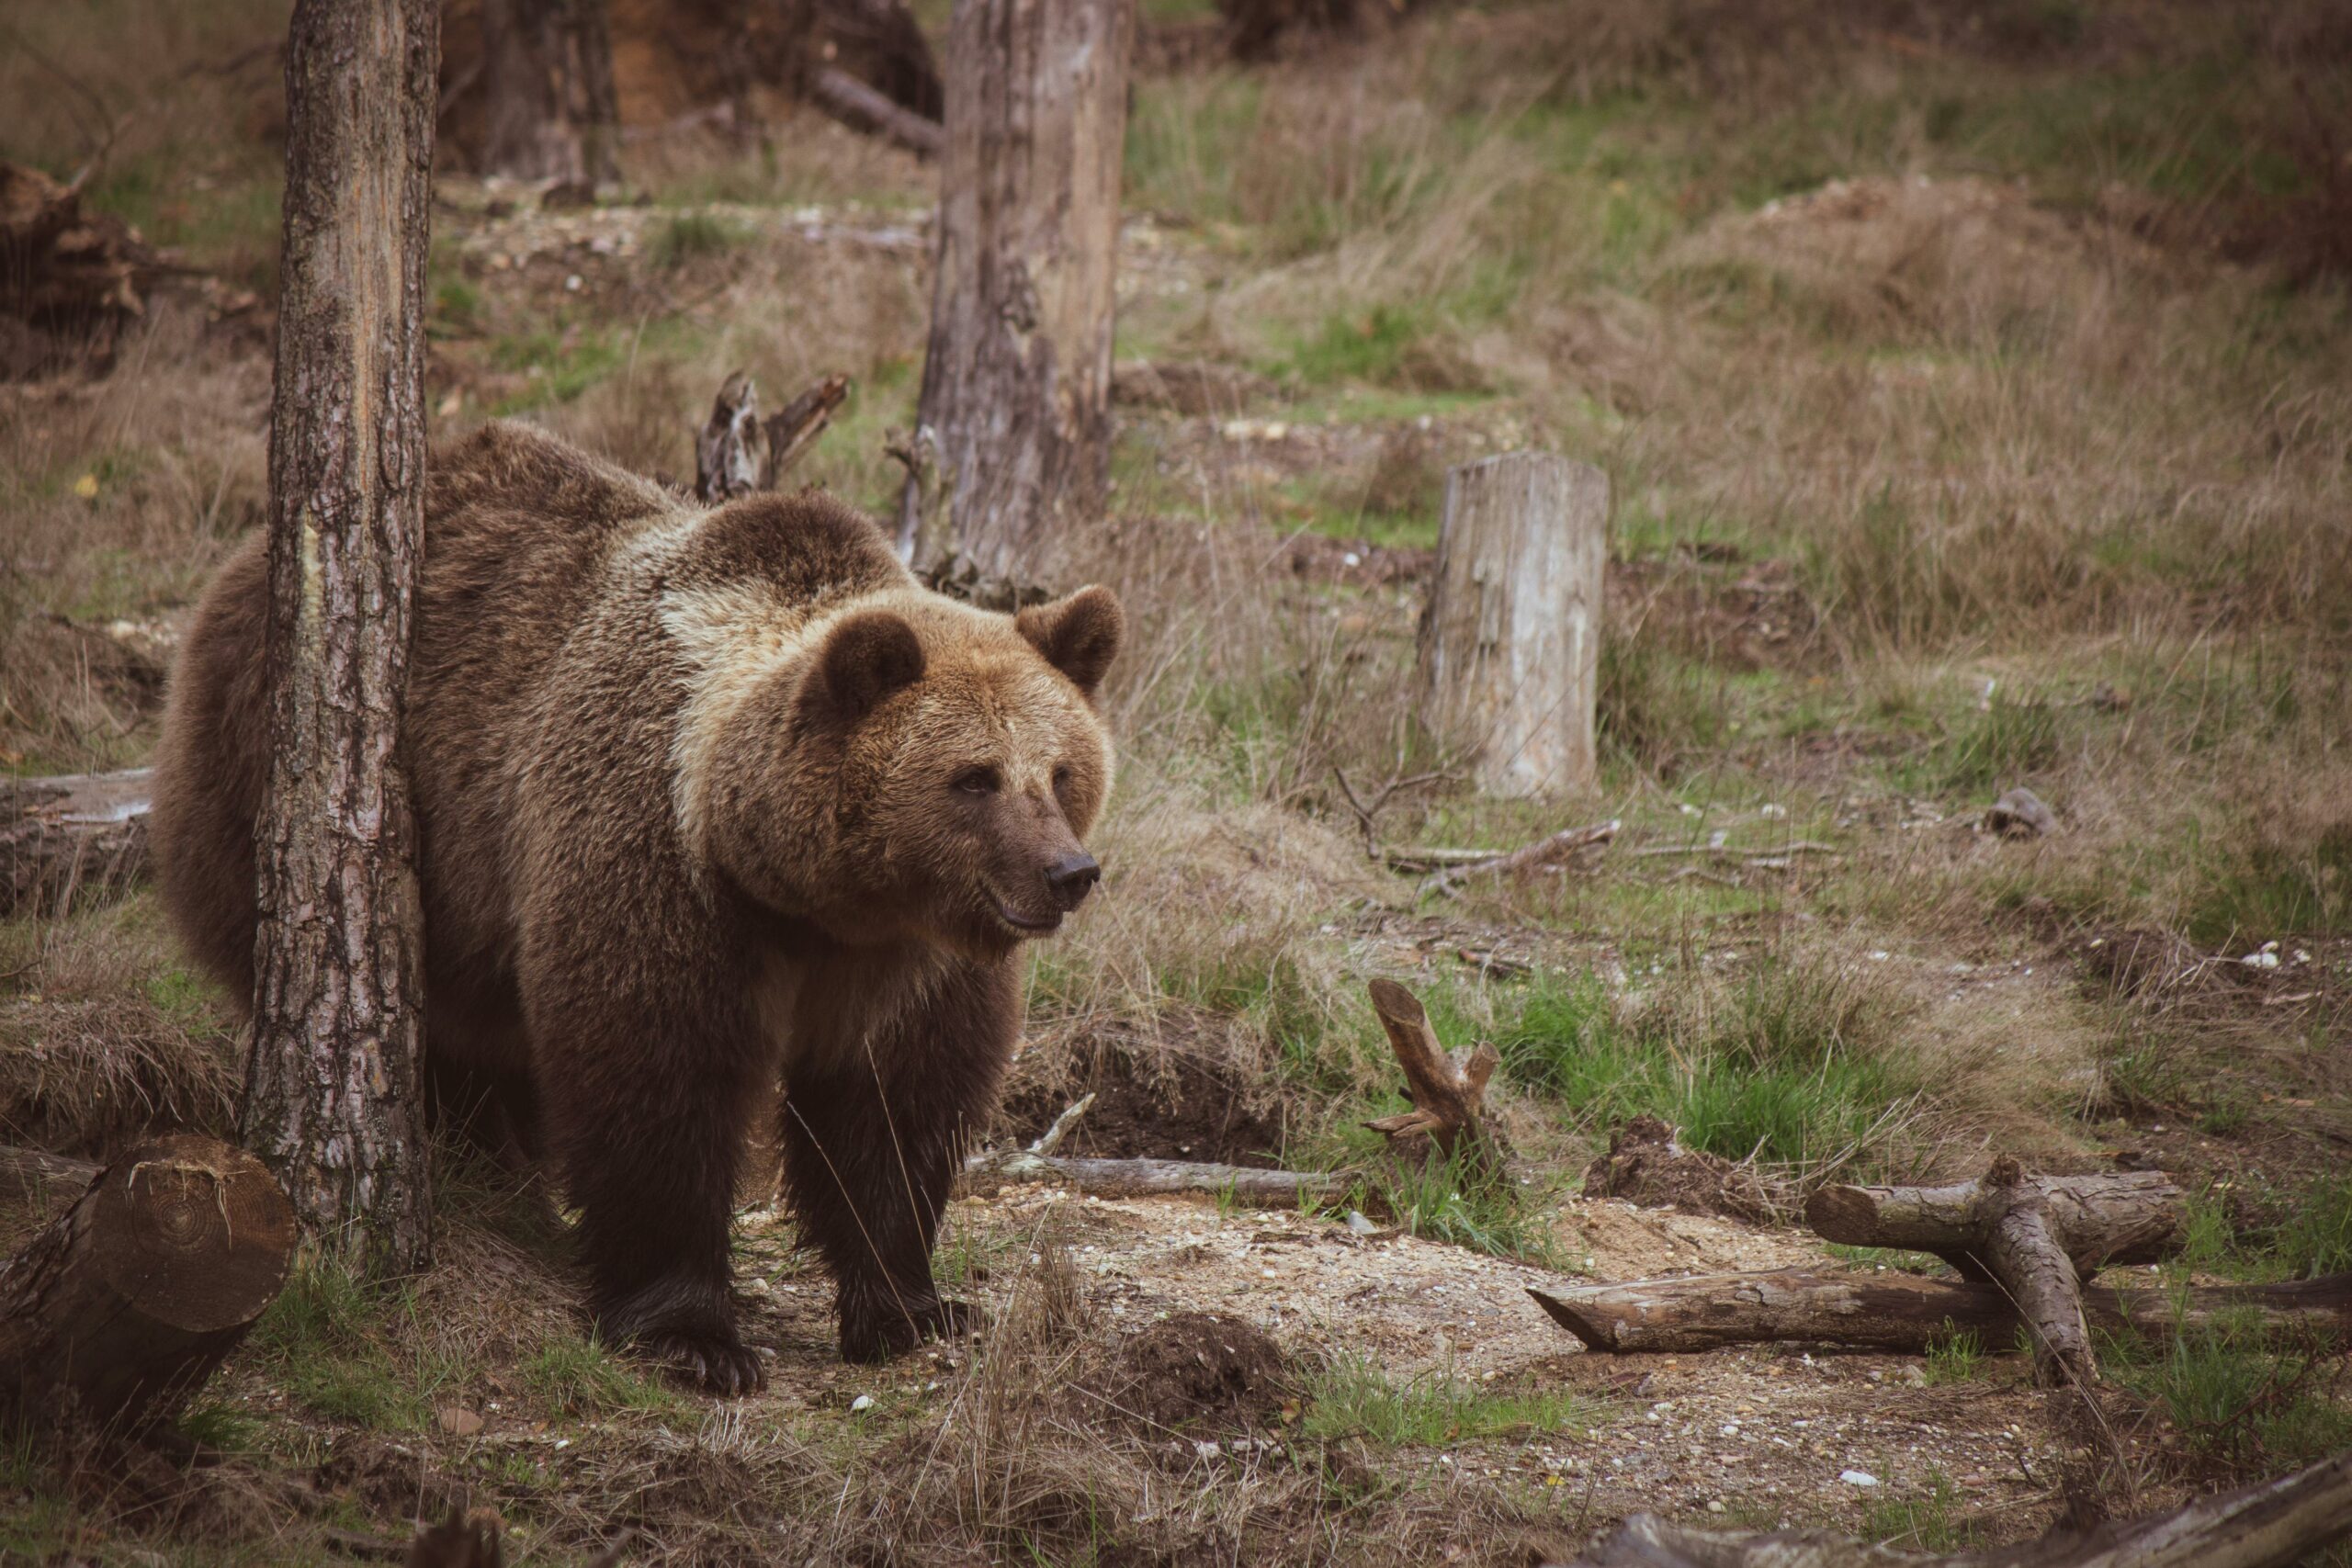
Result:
[{"x": 1543, "y": 852}]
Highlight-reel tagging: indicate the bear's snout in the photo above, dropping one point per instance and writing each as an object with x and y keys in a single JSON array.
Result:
[{"x": 1071, "y": 878}]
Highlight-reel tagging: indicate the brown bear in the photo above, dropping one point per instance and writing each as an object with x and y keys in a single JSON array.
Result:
[{"x": 702, "y": 797}]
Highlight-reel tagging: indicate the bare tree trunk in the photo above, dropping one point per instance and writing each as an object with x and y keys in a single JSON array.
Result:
[
  {"x": 1510, "y": 642},
  {"x": 1017, "y": 383},
  {"x": 548, "y": 85},
  {"x": 128, "y": 1300},
  {"x": 332, "y": 1092}
]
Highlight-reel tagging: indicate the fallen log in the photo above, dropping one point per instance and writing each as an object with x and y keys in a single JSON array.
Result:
[
  {"x": 1448, "y": 1096},
  {"x": 1905, "y": 1314},
  {"x": 2037, "y": 1236},
  {"x": 2270, "y": 1525},
  {"x": 862, "y": 107},
  {"x": 2127, "y": 1217},
  {"x": 1152, "y": 1177},
  {"x": 124, "y": 1304},
  {"x": 73, "y": 834},
  {"x": 38, "y": 1175}
]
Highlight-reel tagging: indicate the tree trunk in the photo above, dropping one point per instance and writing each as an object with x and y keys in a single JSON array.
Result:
[
  {"x": 1511, "y": 640},
  {"x": 2272, "y": 1524},
  {"x": 1016, "y": 382},
  {"x": 74, "y": 834},
  {"x": 127, "y": 1301},
  {"x": 548, "y": 88},
  {"x": 1905, "y": 1314},
  {"x": 332, "y": 1093}
]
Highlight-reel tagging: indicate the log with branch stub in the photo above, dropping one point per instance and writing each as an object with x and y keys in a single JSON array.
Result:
[
  {"x": 1449, "y": 1097},
  {"x": 1905, "y": 1314},
  {"x": 71, "y": 835},
  {"x": 1550, "y": 849},
  {"x": 123, "y": 1305},
  {"x": 1140, "y": 1178},
  {"x": 2036, "y": 1237},
  {"x": 2272, "y": 1524}
]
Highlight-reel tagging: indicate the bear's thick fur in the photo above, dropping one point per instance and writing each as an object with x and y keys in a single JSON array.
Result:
[{"x": 702, "y": 797}]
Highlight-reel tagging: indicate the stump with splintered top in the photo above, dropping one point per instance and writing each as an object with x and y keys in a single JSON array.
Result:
[
  {"x": 1449, "y": 1095},
  {"x": 1509, "y": 655},
  {"x": 737, "y": 452},
  {"x": 122, "y": 1306}
]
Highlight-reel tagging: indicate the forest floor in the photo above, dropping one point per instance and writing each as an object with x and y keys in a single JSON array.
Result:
[{"x": 1972, "y": 380}]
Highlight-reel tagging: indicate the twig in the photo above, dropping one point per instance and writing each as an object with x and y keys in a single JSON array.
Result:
[
  {"x": 1756, "y": 856},
  {"x": 1543, "y": 852},
  {"x": 1153, "y": 1177},
  {"x": 1388, "y": 792}
]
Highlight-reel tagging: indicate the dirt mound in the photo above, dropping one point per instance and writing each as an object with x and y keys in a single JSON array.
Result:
[
  {"x": 1646, "y": 1164},
  {"x": 1953, "y": 255},
  {"x": 1199, "y": 1372},
  {"x": 1151, "y": 1101}
]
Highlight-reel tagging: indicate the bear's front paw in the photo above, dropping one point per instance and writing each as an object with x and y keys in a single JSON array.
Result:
[
  {"x": 893, "y": 1328},
  {"x": 719, "y": 1363}
]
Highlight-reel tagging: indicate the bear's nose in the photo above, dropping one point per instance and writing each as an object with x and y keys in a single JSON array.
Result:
[{"x": 1071, "y": 877}]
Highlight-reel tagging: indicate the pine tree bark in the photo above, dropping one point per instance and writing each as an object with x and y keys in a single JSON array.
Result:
[
  {"x": 332, "y": 1092},
  {"x": 1016, "y": 385},
  {"x": 552, "y": 112},
  {"x": 1509, "y": 656}
]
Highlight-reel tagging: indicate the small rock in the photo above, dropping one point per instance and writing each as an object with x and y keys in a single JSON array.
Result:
[
  {"x": 1857, "y": 1478},
  {"x": 863, "y": 1403},
  {"x": 458, "y": 1421},
  {"x": 1359, "y": 1225},
  {"x": 2021, "y": 813}
]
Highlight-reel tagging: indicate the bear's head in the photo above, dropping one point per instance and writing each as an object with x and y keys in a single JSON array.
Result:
[{"x": 926, "y": 770}]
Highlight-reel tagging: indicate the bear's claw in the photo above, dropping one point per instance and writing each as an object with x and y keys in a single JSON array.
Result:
[
  {"x": 894, "y": 1330},
  {"x": 723, "y": 1366}
]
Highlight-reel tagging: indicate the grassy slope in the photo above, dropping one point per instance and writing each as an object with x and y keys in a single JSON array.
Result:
[{"x": 2019, "y": 487}]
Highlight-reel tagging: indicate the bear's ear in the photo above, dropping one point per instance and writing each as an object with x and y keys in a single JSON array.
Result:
[
  {"x": 1079, "y": 636},
  {"x": 866, "y": 658}
]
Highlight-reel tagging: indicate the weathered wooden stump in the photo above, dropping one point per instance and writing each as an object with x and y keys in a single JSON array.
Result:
[
  {"x": 128, "y": 1300},
  {"x": 1511, "y": 640},
  {"x": 1449, "y": 1096}
]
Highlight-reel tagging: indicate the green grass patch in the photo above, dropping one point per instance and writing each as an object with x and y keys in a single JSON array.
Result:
[
  {"x": 692, "y": 237},
  {"x": 1926, "y": 1521},
  {"x": 2235, "y": 1398},
  {"x": 336, "y": 1342},
  {"x": 1354, "y": 1397},
  {"x": 582, "y": 1377}
]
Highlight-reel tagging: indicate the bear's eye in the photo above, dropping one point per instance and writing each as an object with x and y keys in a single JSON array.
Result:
[{"x": 976, "y": 780}]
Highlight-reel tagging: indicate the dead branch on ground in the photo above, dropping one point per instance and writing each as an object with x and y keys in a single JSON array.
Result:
[{"x": 1547, "y": 850}]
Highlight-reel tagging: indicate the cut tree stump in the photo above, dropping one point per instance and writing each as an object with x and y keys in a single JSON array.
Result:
[
  {"x": 1449, "y": 1097},
  {"x": 1016, "y": 376},
  {"x": 1905, "y": 1314},
  {"x": 2273, "y": 1524},
  {"x": 70, "y": 835},
  {"x": 2036, "y": 1237},
  {"x": 1510, "y": 654},
  {"x": 128, "y": 1300}
]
